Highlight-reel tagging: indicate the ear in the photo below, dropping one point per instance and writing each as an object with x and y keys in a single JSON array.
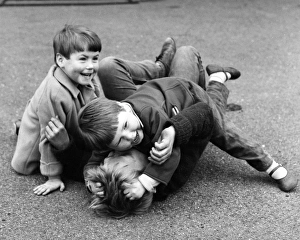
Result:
[
  {"x": 111, "y": 154},
  {"x": 125, "y": 106},
  {"x": 60, "y": 60}
]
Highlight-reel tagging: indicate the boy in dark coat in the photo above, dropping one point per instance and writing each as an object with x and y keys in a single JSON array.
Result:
[{"x": 148, "y": 121}]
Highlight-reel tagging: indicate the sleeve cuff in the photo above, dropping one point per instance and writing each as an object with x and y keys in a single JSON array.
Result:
[{"x": 148, "y": 183}]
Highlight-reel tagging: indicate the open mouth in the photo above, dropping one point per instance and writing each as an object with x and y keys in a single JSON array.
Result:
[
  {"x": 87, "y": 74},
  {"x": 137, "y": 138}
]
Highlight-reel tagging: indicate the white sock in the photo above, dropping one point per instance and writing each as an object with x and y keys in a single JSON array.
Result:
[
  {"x": 219, "y": 77},
  {"x": 279, "y": 173}
]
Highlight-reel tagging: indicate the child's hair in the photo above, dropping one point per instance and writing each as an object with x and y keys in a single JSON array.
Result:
[
  {"x": 98, "y": 122},
  {"x": 114, "y": 203},
  {"x": 75, "y": 38}
]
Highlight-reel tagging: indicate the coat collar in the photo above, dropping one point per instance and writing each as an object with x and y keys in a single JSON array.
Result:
[{"x": 65, "y": 81}]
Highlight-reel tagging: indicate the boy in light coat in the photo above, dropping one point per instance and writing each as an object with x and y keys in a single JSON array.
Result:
[{"x": 68, "y": 86}]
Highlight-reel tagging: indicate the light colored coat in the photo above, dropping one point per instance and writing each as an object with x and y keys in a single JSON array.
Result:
[{"x": 56, "y": 96}]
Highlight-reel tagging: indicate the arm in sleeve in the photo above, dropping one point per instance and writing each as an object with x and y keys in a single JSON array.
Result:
[
  {"x": 163, "y": 173},
  {"x": 196, "y": 120},
  {"x": 50, "y": 166},
  {"x": 154, "y": 121}
]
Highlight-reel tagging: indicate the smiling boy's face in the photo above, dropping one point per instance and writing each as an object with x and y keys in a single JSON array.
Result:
[
  {"x": 81, "y": 67},
  {"x": 129, "y": 132}
]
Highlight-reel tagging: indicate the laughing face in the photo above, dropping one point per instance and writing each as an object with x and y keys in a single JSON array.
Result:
[
  {"x": 129, "y": 132},
  {"x": 81, "y": 67}
]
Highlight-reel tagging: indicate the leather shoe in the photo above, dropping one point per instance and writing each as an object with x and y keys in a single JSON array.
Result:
[
  {"x": 212, "y": 68},
  {"x": 288, "y": 183},
  {"x": 166, "y": 55}
]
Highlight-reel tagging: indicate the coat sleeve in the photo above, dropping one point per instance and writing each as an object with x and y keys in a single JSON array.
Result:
[
  {"x": 154, "y": 120},
  {"x": 163, "y": 173},
  {"x": 194, "y": 121},
  {"x": 57, "y": 102}
]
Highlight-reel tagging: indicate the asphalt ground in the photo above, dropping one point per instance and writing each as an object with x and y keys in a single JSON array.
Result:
[{"x": 225, "y": 198}]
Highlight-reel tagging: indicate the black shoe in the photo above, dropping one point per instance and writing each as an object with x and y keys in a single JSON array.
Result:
[
  {"x": 17, "y": 125},
  {"x": 235, "y": 74},
  {"x": 166, "y": 55}
]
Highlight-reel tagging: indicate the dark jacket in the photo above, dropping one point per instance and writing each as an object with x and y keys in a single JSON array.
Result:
[{"x": 154, "y": 104}]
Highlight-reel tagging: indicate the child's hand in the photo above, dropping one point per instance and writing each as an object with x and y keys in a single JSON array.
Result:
[
  {"x": 134, "y": 190},
  {"x": 57, "y": 134},
  {"x": 96, "y": 188},
  {"x": 162, "y": 149},
  {"x": 52, "y": 184}
]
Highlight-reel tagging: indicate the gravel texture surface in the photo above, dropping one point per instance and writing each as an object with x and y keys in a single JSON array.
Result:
[{"x": 225, "y": 198}]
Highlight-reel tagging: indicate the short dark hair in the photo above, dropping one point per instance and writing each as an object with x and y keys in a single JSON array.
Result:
[
  {"x": 75, "y": 38},
  {"x": 98, "y": 122},
  {"x": 114, "y": 203}
]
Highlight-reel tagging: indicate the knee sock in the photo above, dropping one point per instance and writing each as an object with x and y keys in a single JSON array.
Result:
[
  {"x": 219, "y": 77},
  {"x": 276, "y": 171}
]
